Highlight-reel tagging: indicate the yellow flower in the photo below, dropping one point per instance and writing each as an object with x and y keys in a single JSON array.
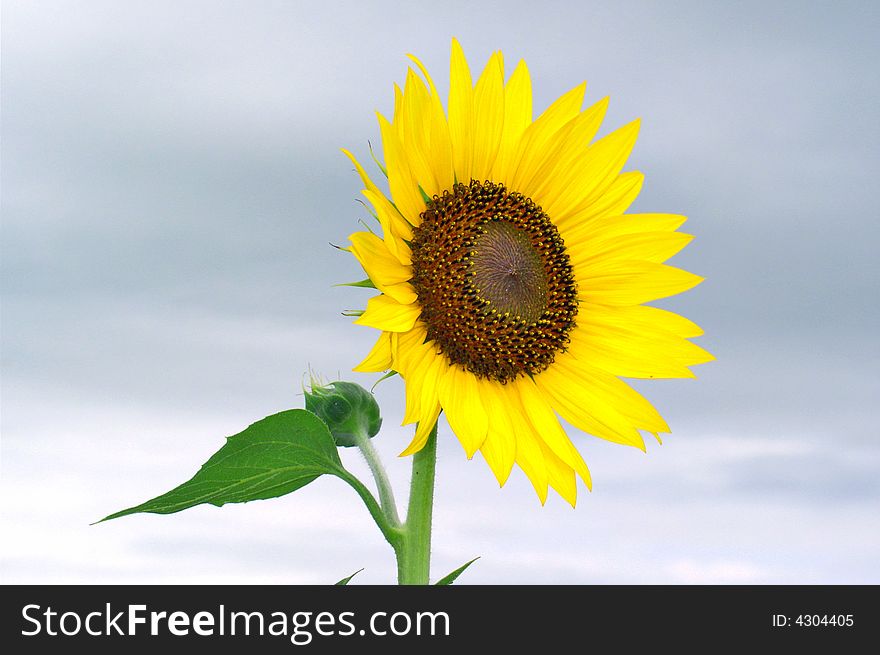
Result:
[{"x": 511, "y": 280}]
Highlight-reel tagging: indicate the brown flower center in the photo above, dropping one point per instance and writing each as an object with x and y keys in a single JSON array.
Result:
[{"x": 494, "y": 281}]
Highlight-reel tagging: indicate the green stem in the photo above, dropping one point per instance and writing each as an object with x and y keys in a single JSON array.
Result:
[
  {"x": 386, "y": 495},
  {"x": 392, "y": 533},
  {"x": 414, "y": 550}
]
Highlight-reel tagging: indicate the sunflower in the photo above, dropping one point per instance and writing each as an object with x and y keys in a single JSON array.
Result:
[{"x": 512, "y": 282}]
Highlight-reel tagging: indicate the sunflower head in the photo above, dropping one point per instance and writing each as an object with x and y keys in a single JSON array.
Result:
[
  {"x": 512, "y": 282},
  {"x": 493, "y": 280}
]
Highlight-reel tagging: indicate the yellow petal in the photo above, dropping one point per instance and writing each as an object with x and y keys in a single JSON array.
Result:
[
  {"x": 615, "y": 200},
  {"x": 397, "y": 116},
  {"x": 437, "y": 366},
  {"x": 395, "y": 350},
  {"x": 602, "y": 228},
  {"x": 560, "y": 476},
  {"x": 368, "y": 183},
  {"x": 488, "y": 117},
  {"x": 464, "y": 409},
  {"x": 409, "y": 349},
  {"x": 499, "y": 448},
  {"x": 402, "y": 293},
  {"x": 564, "y": 150},
  {"x": 393, "y": 224},
  {"x": 546, "y": 425},
  {"x": 403, "y": 184},
  {"x": 414, "y": 379},
  {"x": 628, "y": 402},
  {"x": 529, "y": 453},
  {"x": 517, "y": 117},
  {"x": 531, "y": 149},
  {"x": 634, "y": 349},
  {"x": 420, "y": 365},
  {"x": 585, "y": 407},
  {"x": 631, "y": 282},
  {"x": 589, "y": 177},
  {"x": 461, "y": 113},
  {"x": 382, "y": 267},
  {"x": 416, "y": 126},
  {"x": 412, "y": 408},
  {"x": 440, "y": 144},
  {"x": 423, "y": 431},
  {"x": 396, "y": 230},
  {"x": 379, "y": 358},
  {"x": 646, "y": 246},
  {"x": 615, "y": 396},
  {"x": 385, "y": 313},
  {"x": 657, "y": 318}
]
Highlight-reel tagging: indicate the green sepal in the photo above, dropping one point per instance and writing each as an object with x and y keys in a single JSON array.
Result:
[
  {"x": 428, "y": 200},
  {"x": 376, "y": 160},
  {"x": 370, "y": 211},
  {"x": 389, "y": 374},
  {"x": 366, "y": 284}
]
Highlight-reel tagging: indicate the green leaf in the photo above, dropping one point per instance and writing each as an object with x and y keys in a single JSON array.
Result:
[
  {"x": 274, "y": 456},
  {"x": 449, "y": 579},
  {"x": 345, "y": 581}
]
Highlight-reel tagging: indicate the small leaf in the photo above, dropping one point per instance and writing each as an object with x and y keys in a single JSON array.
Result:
[
  {"x": 273, "y": 457},
  {"x": 449, "y": 579},
  {"x": 345, "y": 581}
]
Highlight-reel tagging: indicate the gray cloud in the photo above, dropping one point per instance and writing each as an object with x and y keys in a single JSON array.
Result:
[{"x": 171, "y": 182}]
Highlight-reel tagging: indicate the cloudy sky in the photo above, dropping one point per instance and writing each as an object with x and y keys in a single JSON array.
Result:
[{"x": 171, "y": 180}]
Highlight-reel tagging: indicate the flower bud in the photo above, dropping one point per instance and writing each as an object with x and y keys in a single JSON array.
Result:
[{"x": 347, "y": 408}]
